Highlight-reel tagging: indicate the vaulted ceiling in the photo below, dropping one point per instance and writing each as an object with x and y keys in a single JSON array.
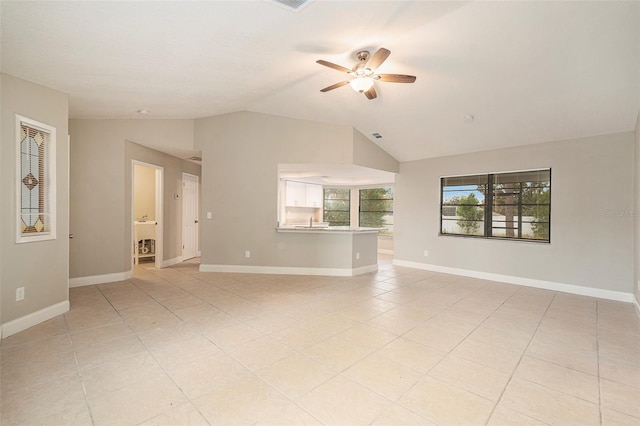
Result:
[{"x": 527, "y": 72}]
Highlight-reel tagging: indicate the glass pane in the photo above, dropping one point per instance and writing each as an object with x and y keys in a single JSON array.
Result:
[
  {"x": 336, "y": 218},
  {"x": 504, "y": 211},
  {"x": 462, "y": 209},
  {"x": 523, "y": 177},
  {"x": 526, "y": 194},
  {"x": 376, "y": 194},
  {"x": 33, "y": 209},
  {"x": 336, "y": 193},
  {"x": 470, "y": 220},
  {"x": 337, "y": 206},
  {"x": 475, "y": 180},
  {"x": 467, "y": 194},
  {"x": 376, "y": 209},
  {"x": 376, "y": 205}
]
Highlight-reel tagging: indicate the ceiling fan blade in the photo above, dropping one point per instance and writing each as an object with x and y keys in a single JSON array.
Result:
[
  {"x": 332, "y": 65},
  {"x": 334, "y": 86},
  {"x": 371, "y": 93},
  {"x": 378, "y": 58},
  {"x": 397, "y": 78}
]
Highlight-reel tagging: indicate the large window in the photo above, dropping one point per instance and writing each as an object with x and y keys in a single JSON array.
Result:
[
  {"x": 376, "y": 209},
  {"x": 35, "y": 180},
  {"x": 515, "y": 205},
  {"x": 337, "y": 206}
]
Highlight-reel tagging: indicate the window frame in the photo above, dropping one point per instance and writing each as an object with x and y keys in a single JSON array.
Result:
[
  {"x": 388, "y": 232},
  {"x": 50, "y": 185},
  {"x": 487, "y": 221},
  {"x": 324, "y": 200}
]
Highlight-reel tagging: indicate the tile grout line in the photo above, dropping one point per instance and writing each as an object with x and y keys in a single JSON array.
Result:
[
  {"x": 80, "y": 376},
  {"x": 135, "y": 332},
  {"x": 150, "y": 352},
  {"x": 524, "y": 351},
  {"x": 189, "y": 401},
  {"x": 598, "y": 360}
]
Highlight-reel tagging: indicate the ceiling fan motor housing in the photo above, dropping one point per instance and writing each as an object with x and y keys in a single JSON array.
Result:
[{"x": 363, "y": 55}]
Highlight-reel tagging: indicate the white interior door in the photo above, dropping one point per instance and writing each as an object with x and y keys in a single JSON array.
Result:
[{"x": 189, "y": 216}]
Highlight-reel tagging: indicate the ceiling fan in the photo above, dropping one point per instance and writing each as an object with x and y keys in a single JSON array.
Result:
[{"x": 363, "y": 73}]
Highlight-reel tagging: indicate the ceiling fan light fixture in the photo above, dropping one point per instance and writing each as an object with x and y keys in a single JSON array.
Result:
[
  {"x": 364, "y": 74},
  {"x": 361, "y": 84}
]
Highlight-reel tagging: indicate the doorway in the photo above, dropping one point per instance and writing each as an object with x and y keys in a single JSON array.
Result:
[
  {"x": 189, "y": 216},
  {"x": 146, "y": 213}
]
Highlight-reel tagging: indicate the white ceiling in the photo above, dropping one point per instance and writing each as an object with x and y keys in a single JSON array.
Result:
[{"x": 528, "y": 72}]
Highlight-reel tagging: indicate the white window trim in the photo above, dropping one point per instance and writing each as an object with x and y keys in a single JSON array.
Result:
[{"x": 51, "y": 184}]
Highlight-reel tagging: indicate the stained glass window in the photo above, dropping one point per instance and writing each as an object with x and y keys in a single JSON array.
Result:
[{"x": 36, "y": 179}]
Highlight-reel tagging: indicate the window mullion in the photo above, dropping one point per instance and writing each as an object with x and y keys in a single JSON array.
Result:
[
  {"x": 520, "y": 211},
  {"x": 488, "y": 208}
]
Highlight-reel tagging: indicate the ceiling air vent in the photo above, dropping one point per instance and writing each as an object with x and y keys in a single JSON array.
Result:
[
  {"x": 294, "y": 5},
  {"x": 376, "y": 135}
]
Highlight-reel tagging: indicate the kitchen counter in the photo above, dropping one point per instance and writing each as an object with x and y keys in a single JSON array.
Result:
[
  {"x": 327, "y": 230},
  {"x": 336, "y": 250},
  {"x": 317, "y": 250}
]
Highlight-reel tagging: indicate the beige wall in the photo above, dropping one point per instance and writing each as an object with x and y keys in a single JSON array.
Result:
[
  {"x": 591, "y": 243},
  {"x": 144, "y": 192},
  {"x": 240, "y": 154},
  {"x": 97, "y": 198},
  {"x": 40, "y": 267},
  {"x": 101, "y": 189},
  {"x": 385, "y": 244},
  {"x": 368, "y": 154}
]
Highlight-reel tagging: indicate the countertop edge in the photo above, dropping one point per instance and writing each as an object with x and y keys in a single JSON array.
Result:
[{"x": 329, "y": 230}]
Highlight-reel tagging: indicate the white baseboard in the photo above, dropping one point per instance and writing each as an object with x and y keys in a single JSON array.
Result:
[
  {"x": 171, "y": 262},
  {"x": 34, "y": 318},
  {"x": 284, "y": 270},
  {"x": 528, "y": 282},
  {"x": 385, "y": 251},
  {"x": 636, "y": 303},
  {"x": 100, "y": 279}
]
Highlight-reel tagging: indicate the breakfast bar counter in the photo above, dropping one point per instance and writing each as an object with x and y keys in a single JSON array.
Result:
[
  {"x": 336, "y": 250},
  {"x": 328, "y": 230}
]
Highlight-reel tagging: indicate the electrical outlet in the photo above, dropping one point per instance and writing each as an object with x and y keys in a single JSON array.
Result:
[
  {"x": 357, "y": 255},
  {"x": 247, "y": 254},
  {"x": 19, "y": 294},
  {"x": 638, "y": 285},
  {"x": 209, "y": 215},
  {"x": 426, "y": 253}
]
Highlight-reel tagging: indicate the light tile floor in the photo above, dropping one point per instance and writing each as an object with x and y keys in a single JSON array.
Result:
[{"x": 400, "y": 346}]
